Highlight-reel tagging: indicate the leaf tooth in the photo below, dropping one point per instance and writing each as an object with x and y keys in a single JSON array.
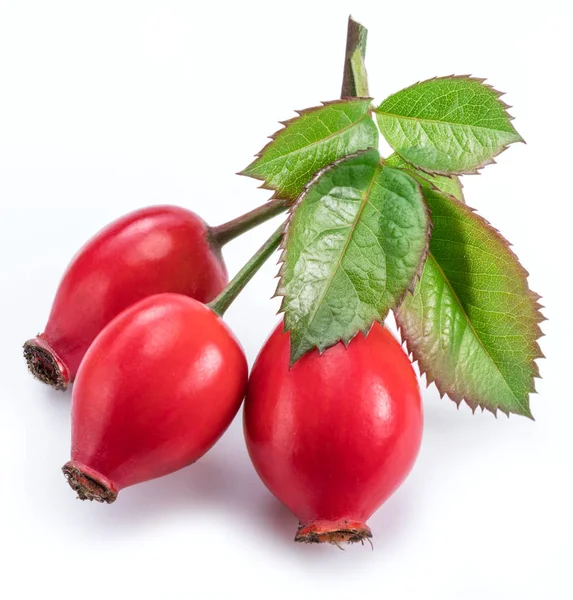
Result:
[
  {"x": 413, "y": 355},
  {"x": 346, "y": 341},
  {"x": 535, "y": 369},
  {"x": 536, "y": 328},
  {"x": 500, "y": 410},
  {"x": 404, "y": 343},
  {"x": 305, "y": 111},
  {"x": 245, "y": 172},
  {"x": 280, "y": 290},
  {"x": 503, "y": 103},
  {"x": 482, "y": 80},
  {"x": 535, "y": 299},
  {"x": 452, "y": 76},
  {"x": 429, "y": 380},
  {"x": 473, "y": 78}
]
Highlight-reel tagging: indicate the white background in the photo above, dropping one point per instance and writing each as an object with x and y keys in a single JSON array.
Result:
[{"x": 109, "y": 106}]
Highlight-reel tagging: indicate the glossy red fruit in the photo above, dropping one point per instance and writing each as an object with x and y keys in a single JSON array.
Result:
[
  {"x": 149, "y": 251},
  {"x": 335, "y": 435},
  {"x": 157, "y": 388}
]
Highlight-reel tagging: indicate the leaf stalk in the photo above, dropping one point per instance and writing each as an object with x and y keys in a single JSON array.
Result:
[
  {"x": 222, "y": 302},
  {"x": 223, "y": 234}
]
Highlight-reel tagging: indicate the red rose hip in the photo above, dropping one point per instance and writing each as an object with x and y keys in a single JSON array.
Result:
[
  {"x": 335, "y": 435},
  {"x": 149, "y": 251},
  {"x": 157, "y": 388}
]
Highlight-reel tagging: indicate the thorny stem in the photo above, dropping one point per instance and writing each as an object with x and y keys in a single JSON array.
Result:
[
  {"x": 355, "y": 80},
  {"x": 229, "y": 231},
  {"x": 226, "y": 297}
]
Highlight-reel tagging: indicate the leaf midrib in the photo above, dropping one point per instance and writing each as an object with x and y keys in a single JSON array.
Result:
[
  {"x": 470, "y": 324},
  {"x": 388, "y": 114},
  {"x": 312, "y": 144},
  {"x": 351, "y": 232}
]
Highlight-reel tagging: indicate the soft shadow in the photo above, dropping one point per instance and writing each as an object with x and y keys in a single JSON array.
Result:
[
  {"x": 57, "y": 399},
  {"x": 198, "y": 489},
  {"x": 388, "y": 525},
  {"x": 392, "y": 522},
  {"x": 222, "y": 484},
  {"x": 277, "y": 522}
]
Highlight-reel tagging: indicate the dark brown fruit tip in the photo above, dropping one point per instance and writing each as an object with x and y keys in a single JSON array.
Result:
[
  {"x": 88, "y": 485},
  {"x": 44, "y": 363}
]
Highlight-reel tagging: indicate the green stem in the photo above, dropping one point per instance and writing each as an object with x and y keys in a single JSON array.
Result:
[
  {"x": 229, "y": 231},
  {"x": 354, "y": 84},
  {"x": 235, "y": 287},
  {"x": 355, "y": 79}
]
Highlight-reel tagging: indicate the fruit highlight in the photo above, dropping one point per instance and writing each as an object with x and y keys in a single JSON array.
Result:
[
  {"x": 157, "y": 388},
  {"x": 336, "y": 434},
  {"x": 333, "y": 415},
  {"x": 149, "y": 251}
]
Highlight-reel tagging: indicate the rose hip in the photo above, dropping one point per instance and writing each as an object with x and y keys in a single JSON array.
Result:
[
  {"x": 149, "y": 251},
  {"x": 335, "y": 435},
  {"x": 157, "y": 388}
]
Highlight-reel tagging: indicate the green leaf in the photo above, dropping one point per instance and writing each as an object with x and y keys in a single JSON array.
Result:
[
  {"x": 310, "y": 142},
  {"x": 354, "y": 245},
  {"x": 449, "y": 184},
  {"x": 447, "y": 125},
  {"x": 472, "y": 323}
]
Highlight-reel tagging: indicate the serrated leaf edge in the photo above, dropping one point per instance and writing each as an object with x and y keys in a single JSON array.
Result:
[
  {"x": 479, "y": 167},
  {"x": 536, "y": 354},
  {"x": 285, "y": 124},
  {"x": 279, "y": 292}
]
